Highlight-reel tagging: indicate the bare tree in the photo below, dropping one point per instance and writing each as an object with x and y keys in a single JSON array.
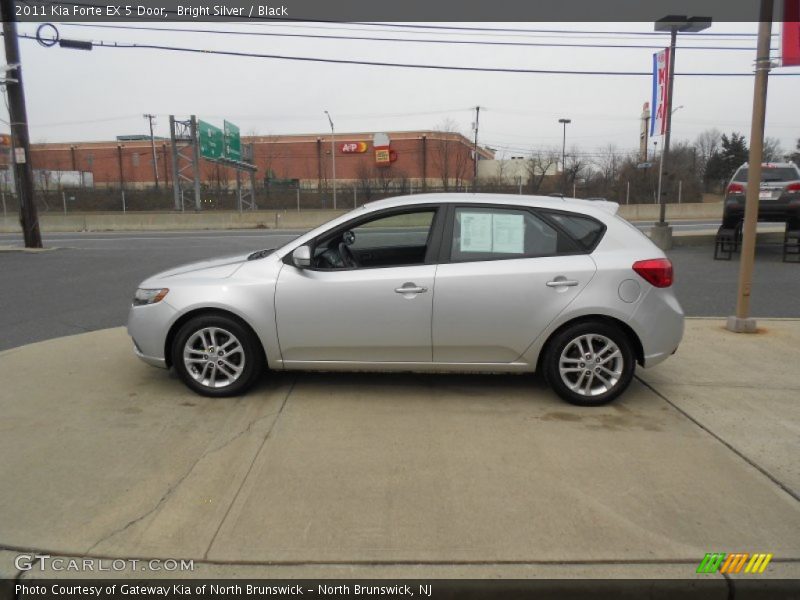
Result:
[
  {"x": 577, "y": 166},
  {"x": 539, "y": 165},
  {"x": 444, "y": 150},
  {"x": 773, "y": 151},
  {"x": 364, "y": 179},
  {"x": 707, "y": 144},
  {"x": 608, "y": 163}
]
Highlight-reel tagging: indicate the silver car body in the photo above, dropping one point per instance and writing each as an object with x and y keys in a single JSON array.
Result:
[{"x": 472, "y": 316}]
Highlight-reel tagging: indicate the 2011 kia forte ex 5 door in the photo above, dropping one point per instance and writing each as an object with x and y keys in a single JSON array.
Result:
[{"x": 431, "y": 282}]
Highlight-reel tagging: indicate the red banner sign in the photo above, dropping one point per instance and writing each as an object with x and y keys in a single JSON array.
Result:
[
  {"x": 790, "y": 38},
  {"x": 658, "y": 123},
  {"x": 353, "y": 147}
]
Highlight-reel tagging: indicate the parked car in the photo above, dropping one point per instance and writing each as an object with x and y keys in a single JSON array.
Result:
[
  {"x": 430, "y": 282},
  {"x": 779, "y": 194}
]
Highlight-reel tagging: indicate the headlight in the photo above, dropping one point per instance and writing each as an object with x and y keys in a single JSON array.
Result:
[{"x": 142, "y": 297}]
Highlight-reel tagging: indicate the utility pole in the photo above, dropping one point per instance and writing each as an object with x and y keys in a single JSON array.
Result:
[
  {"x": 475, "y": 150},
  {"x": 564, "y": 122},
  {"x": 18, "y": 117},
  {"x": 742, "y": 322},
  {"x": 150, "y": 118},
  {"x": 333, "y": 156}
]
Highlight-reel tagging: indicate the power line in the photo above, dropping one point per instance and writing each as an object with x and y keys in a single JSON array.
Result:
[
  {"x": 165, "y": 48},
  {"x": 395, "y": 39}
]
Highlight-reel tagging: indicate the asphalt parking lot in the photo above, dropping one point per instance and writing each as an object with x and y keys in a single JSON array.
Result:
[{"x": 86, "y": 283}]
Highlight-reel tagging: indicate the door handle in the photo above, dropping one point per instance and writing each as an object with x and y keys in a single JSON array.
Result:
[
  {"x": 562, "y": 282},
  {"x": 410, "y": 288}
]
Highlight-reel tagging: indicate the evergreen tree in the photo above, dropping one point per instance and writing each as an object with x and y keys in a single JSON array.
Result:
[
  {"x": 724, "y": 162},
  {"x": 795, "y": 156}
]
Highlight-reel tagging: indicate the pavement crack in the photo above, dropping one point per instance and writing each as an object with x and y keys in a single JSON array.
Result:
[
  {"x": 146, "y": 514},
  {"x": 250, "y": 467},
  {"x": 177, "y": 484},
  {"x": 241, "y": 433},
  {"x": 721, "y": 440}
]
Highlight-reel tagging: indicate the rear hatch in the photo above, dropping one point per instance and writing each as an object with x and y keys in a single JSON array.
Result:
[{"x": 774, "y": 180}]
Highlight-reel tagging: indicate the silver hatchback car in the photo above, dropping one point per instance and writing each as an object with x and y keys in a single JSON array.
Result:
[{"x": 431, "y": 282}]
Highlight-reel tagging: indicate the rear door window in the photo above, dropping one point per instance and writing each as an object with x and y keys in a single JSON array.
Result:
[{"x": 501, "y": 233}]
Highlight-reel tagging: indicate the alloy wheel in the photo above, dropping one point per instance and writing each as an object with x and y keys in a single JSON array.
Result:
[
  {"x": 213, "y": 357},
  {"x": 591, "y": 364}
]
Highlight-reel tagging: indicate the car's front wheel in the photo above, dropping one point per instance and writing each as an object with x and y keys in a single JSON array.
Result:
[
  {"x": 589, "y": 363},
  {"x": 217, "y": 356}
]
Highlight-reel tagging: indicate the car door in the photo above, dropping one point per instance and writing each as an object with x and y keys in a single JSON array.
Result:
[
  {"x": 379, "y": 311},
  {"x": 509, "y": 273}
]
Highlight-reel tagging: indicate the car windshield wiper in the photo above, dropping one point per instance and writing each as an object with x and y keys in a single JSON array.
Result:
[{"x": 261, "y": 254}]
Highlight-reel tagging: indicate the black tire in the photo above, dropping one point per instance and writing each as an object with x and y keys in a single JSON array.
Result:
[
  {"x": 250, "y": 360},
  {"x": 601, "y": 374}
]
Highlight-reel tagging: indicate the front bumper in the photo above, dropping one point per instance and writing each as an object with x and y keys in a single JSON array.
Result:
[
  {"x": 148, "y": 327},
  {"x": 150, "y": 360}
]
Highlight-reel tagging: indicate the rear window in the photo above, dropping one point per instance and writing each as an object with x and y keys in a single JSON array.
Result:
[
  {"x": 584, "y": 230},
  {"x": 770, "y": 174}
]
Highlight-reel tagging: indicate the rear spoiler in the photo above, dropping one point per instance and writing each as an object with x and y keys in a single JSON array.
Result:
[
  {"x": 610, "y": 207},
  {"x": 604, "y": 205}
]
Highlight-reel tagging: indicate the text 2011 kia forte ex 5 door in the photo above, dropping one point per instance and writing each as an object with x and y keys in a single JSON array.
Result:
[{"x": 444, "y": 282}]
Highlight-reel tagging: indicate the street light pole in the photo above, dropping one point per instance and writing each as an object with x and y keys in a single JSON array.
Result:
[
  {"x": 564, "y": 122},
  {"x": 662, "y": 206},
  {"x": 662, "y": 233},
  {"x": 150, "y": 118},
  {"x": 333, "y": 156},
  {"x": 742, "y": 322}
]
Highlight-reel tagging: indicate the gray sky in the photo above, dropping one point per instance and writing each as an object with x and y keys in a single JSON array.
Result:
[{"x": 79, "y": 96}]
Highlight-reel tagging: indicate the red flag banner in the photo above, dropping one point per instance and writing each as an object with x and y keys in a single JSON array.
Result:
[{"x": 790, "y": 38}]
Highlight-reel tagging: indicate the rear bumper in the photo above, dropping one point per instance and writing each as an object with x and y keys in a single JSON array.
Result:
[
  {"x": 774, "y": 211},
  {"x": 659, "y": 322}
]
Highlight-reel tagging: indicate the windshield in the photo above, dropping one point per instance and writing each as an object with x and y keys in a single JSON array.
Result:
[{"x": 770, "y": 174}]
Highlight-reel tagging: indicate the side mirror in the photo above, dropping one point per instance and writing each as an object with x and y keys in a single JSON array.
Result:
[{"x": 301, "y": 257}]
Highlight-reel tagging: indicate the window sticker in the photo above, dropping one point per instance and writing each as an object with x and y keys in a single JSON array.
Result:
[
  {"x": 492, "y": 232},
  {"x": 476, "y": 232},
  {"x": 508, "y": 234}
]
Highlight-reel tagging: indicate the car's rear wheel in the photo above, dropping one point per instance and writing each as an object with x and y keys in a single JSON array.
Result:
[
  {"x": 217, "y": 356},
  {"x": 589, "y": 363}
]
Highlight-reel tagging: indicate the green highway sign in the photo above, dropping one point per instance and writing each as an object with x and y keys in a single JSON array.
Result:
[
  {"x": 211, "y": 140},
  {"x": 233, "y": 143}
]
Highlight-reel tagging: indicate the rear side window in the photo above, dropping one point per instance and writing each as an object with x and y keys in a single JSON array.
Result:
[
  {"x": 501, "y": 233},
  {"x": 584, "y": 230}
]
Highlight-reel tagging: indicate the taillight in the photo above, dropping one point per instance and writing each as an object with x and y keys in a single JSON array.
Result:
[
  {"x": 736, "y": 188},
  {"x": 655, "y": 271},
  {"x": 793, "y": 187}
]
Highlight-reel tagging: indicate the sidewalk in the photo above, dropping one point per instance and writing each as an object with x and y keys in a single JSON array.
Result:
[{"x": 370, "y": 475}]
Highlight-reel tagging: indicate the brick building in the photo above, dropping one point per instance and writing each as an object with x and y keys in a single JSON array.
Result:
[{"x": 430, "y": 158}]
